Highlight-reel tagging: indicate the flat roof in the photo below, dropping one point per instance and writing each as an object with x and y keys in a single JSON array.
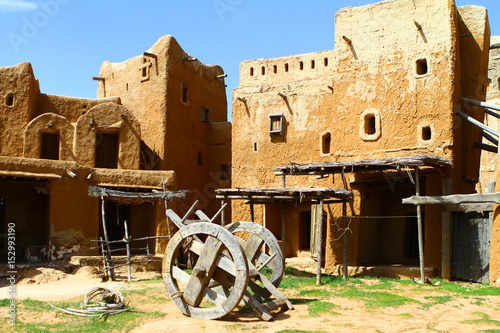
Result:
[
  {"x": 284, "y": 194},
  {"x": 321, "y": 168}
]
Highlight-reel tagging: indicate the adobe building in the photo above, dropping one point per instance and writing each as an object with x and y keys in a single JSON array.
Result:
[
  {"x": 182, "y": 108},
  {"x": 387, "y": 94},
  {"x": 159, "y": 124}
]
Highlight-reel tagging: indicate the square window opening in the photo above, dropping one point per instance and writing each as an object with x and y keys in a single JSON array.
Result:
[
  {"x": 106, "y": 152},
  {"x": 426, "y": 133},
  {"x": 422, "y": 67}
]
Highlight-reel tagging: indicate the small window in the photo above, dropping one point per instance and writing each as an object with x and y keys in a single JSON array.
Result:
[
  {"x": 184, "y": 93},
  {"x": 263, "y": 70},
  {"x": 144, "y": 71},
  {"x": 325, "y": 62},
  {"x": 9, "y": 100},
  {"x": 370, "y": 123},
  {"x": 205, "y": 114},
  {"x": 426, "y": 133},
  {"x": 225, "y": 172},
  {"x": 275, "y": 69},
  {"x": 200, "y": 159},
  {"x": 126, "y": 87},
  {"x": 286, "y": 67},
  {"x": 326, "y": 141},
  {"x": 255, "y": 146},
  {"x": 106, "y": 152},
  {"x": 313, "y": 64},
  {"x": 251, "y": 71},
  {"x": 276, "y": 124},
  {"x": 301, "y": 65},
  {"x": 499, "y": 83},
  {"x": 50, "y": 146},
  {"x": 422, "y": 67}
]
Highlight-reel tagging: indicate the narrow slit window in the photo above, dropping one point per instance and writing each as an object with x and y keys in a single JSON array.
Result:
[
  {"x": 426, "y": 133},
  {"x": 286, "y": 67},
  {"x": 225, "y": 172},
  {"x": 422, "y": 67},
  {"x": 499, "y": 83},
  {"x": 263, "y": 70},
  {"x": 326, "y": 141},
  {"x": 301, "y": 65},
  {"x": 325, "y": 62},
  {"x": 200, "y": 159},
  {"x": 251, "y": 71},
  {"x": 205, "y": 114},
  {"x": 184, "y": 93},
  {"x": 275, "y": 69},
  {"x": 9, "y": 100},
  {"x": 255, "y": 146},
  {"x": 313, "y": 64},
  {"x": 370, "y": 125},
  {"x": 50, "y": 146}
]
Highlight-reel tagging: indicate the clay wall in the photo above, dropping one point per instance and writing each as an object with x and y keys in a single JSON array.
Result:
[
  {"x": 390, "y": 89},
  {"x": 18, "y": 91}
]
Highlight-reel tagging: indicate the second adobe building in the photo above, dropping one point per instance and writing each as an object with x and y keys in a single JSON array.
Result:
[{"x": 336, "y": 138}]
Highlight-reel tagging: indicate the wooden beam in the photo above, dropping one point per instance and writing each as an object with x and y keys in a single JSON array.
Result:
[
  {"x": 454, "y": 199},
  {"x": 319, "y": 219},
  {"x": 420, "y": 230},
  {"x": 344, "y": 214},
  {"x": 252, "y": 213}
]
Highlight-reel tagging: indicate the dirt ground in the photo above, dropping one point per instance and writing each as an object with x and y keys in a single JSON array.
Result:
[{"x": 348, "y": 315}]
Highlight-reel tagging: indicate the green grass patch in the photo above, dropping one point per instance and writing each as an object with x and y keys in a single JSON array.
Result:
[
  {"x": 5, "y": 302},
  {"x": 317, "y": 308},
  {"x": 405, "y": 316},
  {"x": 375, "y": 299},
  {"x": 316, "y": 292},
  {"x": 434, "y": 300},
  {"x": 483, "y": 320},
  {"x": 300, "y": 331}
]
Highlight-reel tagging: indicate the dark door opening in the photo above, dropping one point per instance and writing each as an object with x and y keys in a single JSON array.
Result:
[
  {"x": 116, "y": 215},
  {"x": 305, "y": 230},
  {"x": 106, "y": 150}
]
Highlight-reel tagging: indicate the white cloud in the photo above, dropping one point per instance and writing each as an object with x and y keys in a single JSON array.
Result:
[{"x": 17, "y": 6}]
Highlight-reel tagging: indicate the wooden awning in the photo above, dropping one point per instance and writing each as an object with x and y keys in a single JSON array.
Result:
[
  {"x": 133, "y": 197},
  {"x": 284, "y": 194},
  {"x": 321, "y": 168}
]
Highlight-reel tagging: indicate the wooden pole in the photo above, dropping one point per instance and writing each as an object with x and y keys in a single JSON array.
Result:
[
  {"x": 283, "y": 230},
  {"x": 319, "y": 219},
  {"x": 344, "y": 214},
  {"x": 420, "y": 231},
  {"x": 106, "y": 239},
  {"x": 446, "y": 235},
  {"x": 127, "y": 245},
  {"x": 223, "y": 214},
  {"x": 252, "y": 216}
]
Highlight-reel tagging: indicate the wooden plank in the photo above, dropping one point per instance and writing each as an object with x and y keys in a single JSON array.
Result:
[
  {"x": 222, "y": 261},
  {"x": 252, "y": 246},
  {"x": 274, "y": 304},
  {"x": 454, "y": 199},
  {"x": 202, "y": 272},
  {"x": 202, "y": 216}
]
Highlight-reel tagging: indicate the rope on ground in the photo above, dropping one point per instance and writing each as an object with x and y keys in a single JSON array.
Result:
[{"x": 99, "y": 302}]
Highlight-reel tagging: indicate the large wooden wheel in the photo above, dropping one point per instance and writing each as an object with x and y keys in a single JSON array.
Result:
[
  {"x": 219, "y": 278},
  {"x": 272, "y": 258}
]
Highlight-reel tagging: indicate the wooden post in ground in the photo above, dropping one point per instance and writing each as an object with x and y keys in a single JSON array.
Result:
[
  {"x": 344, "y": 214},
  {"x": 127, "y": 246},
  {"x": 420, "y": 229},
  {"x": 252, "y": 214},
  {"x": 106, "y": 239},
  {"x": 283, "y": 230},
  {"x": 446, "y": 235},
  {"x": 319, "y": 219}
]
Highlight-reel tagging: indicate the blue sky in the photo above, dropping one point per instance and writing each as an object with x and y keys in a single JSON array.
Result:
[{"x": 67, "y": 40}]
